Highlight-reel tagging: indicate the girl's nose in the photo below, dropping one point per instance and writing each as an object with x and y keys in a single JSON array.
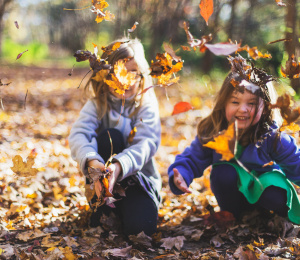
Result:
[{"x": 243, "y": 108}]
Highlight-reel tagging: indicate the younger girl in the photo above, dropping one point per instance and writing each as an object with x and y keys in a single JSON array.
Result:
[
  {"x": 272, "y": 156},
  {"x": 133, "y": 165}
]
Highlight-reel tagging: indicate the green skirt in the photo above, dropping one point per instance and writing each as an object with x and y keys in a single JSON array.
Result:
[{"x": 253, "y": 186}]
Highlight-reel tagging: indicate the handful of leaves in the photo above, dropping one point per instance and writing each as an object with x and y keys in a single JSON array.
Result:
[{"x": 96, "y": 174}]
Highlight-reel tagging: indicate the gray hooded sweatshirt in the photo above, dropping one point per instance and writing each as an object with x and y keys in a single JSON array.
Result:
[{"x": 137, "y": 158}]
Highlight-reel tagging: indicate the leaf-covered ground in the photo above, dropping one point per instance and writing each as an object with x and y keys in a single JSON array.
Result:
[{"x": 45, "y": 216}]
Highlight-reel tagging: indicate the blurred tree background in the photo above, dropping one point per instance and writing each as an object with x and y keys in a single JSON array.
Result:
[{"x": 52, "y": 34}]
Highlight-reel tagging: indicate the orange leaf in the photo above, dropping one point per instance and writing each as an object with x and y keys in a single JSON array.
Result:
[
  {"x": 181, "y": 107},
  {"x": 221, "y": 143},
  {"x": 131, "y": 135},
  {"x": 268, "y": 164},
  {"x": 206, "y": 9},
  {"x": 105, "y": 186}
]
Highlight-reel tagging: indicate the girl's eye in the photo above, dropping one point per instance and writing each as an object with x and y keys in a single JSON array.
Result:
[
  {"x": 235, "y": 102},
  {"x": 252, "y": 104}
]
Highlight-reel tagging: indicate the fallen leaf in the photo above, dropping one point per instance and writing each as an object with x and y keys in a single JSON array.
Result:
[
  {"x": 23, "y": 169},
  {"x": 170, "y": 242},
  {"x": 292, "y": 68},
  {"x": 133, "y": 27}
]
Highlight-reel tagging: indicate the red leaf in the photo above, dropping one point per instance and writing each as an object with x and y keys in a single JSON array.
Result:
[
  {"x": 222, "y": 48},
  {"x": 206, "y": 9},
  {"x": 181, "y": 107},
  {"x": 20, "y": 54}
]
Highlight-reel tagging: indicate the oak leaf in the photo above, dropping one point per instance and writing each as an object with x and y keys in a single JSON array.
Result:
[
  {"x": 23, "y": 169},
  {"x": 170, "y": 242},
  {"x": 221, "y": 143},
  {"x": 121, "y": 79}
]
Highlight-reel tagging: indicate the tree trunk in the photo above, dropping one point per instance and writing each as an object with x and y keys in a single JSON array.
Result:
[
  {"x": 292, "y": 47},
  {"x": 230, "y": 30},
  {"x": 3, "y": 5}
]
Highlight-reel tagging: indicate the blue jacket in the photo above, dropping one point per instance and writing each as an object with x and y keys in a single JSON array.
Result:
[{"x": 286, "y": 157}]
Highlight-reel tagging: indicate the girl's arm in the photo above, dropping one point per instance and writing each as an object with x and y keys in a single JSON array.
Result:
[
  {"x": 287, "y": 156},
  {"x": 82, "y": 138},
  {"x": 190, "y": 164},
  {"x": 145, "y": 142}
]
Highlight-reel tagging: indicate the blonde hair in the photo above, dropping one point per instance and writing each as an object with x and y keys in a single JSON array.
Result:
[{"x": 129, "y": 49}]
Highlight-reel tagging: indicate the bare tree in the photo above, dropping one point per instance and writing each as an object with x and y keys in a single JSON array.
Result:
[{"x": 3, "y": 6}]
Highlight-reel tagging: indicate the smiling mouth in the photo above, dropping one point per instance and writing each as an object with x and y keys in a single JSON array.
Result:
[{"x": 242, "y": 117}]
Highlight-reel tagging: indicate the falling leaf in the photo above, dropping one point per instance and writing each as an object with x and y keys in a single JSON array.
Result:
[
  {"x": 195, "y": 43},
  {"x": 222, "y": 48},
  {"x": 181, "y": 107},
  {"x": 20, "y": 55},
  {"x": 170, "y": 50},
  {"x": 268, "y": 164},
  {"x": 23, "y": 169},
  {"x": 292, "y": 68},
  {"x": 288, "y": 113},
  {"x": 121, "y": 79},
  {"x": 254, "y": 53},
  {"x": 221, "y": 143},
  {"x": 291, "y": 127},
  {"x": 280, "y": 40},
  {"x": 185, "y": 48},
  {"x": 280, "y": 3},
  {"x": 16, "y": 24},
  {"x": 98, "y": 8},
  {"x": 133, "y": 27},
  {"x": 170, "y": 242},
  {"x": 131, "y": 135},
  {"x": 206, "y": 9}
]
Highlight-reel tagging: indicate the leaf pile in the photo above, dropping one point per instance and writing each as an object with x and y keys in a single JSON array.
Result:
[{"x": 45, "y": 216}]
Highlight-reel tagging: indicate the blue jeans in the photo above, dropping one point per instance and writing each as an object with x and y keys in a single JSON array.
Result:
[
  {"x": 137, "y": 211},
  {"x": 223, "y": 181}
]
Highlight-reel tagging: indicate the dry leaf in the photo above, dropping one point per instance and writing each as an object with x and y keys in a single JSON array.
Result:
[
  {"x": 254, "y": 53},
  {"x": 206, "y": 9},
  {"x": 20, "y": 55},
  {"x": 131, "y": 135},
  {"x": 221, "y": 143},
  {"x": 292, "y": 68},
  {"x": 222, "y": 48},
  {"x": 170, "y": 242},
  {"x": 23, "y": 169}
]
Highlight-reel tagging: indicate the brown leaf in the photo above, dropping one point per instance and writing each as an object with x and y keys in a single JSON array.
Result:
[
  {"x": 280, "y": 3},
  {"x": 23, "y": 169},
  {"x": 20, "y": 55},
  {"x": 170, "y": 242},
  {"x": 131, "y": 135},
  {"x": 16, "y": 24},
  {"x": 292, "y": 68},
  {"x": 206, "y": 9}
]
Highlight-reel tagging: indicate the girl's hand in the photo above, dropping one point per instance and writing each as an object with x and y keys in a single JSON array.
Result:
[
  {"x": 97, "y": 165},
  {"x": 115, "y": 170},
  {"x": 180, "y": 182}
]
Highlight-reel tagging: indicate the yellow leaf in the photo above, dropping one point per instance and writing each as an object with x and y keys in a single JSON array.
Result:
[
  {"x": 131, "y": 135},
  {"x": 23, "y": 169},
  {"x": 221, "y": 143}
]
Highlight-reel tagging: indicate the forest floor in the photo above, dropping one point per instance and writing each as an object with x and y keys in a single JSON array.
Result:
[{"x": 46, "y": 216}]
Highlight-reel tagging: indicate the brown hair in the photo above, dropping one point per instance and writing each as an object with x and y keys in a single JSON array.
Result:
[
  {"x": 211, "y": 126},
  {"x": 129, "y": 49}
]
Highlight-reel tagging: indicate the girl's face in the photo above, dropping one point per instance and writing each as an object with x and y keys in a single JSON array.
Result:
[
  {"x": 241, "y": 107},
  {"x": 132, "y": 67}
]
